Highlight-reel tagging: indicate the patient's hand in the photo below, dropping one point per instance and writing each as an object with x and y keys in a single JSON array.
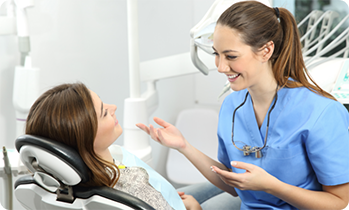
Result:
[
  {"x": 168, "y": 135},
  {"x": 189, "y": 202}
]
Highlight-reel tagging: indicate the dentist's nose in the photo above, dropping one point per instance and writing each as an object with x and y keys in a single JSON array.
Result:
[{"x": 222, "y": 65}]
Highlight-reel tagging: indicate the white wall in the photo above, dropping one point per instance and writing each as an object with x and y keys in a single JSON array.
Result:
[{"x": 86, "y": 40}]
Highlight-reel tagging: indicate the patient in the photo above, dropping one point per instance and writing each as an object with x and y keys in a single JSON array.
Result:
[{"x": 74, "y": 115}]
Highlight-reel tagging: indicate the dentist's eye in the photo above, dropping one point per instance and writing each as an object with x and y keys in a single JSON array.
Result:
[
  {"x": 214, "y": 53},
  {"x": 231, "y": 57}
]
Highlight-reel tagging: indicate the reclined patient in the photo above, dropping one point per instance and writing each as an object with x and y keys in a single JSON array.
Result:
[{"x": 74, "y": 115}]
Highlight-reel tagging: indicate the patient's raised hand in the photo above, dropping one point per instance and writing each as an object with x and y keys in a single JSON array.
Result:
[{"x": 168, "y": 135}]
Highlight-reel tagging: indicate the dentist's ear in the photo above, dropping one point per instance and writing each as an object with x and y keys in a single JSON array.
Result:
[{"x": 267, "y": 51}]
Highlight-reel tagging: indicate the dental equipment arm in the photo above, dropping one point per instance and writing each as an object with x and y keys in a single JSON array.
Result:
[
  {"x": 8, "y": 22},
  {"x": 325, "y": 38},
  {"x": 26, "y": 79},
  {"x": 25, "y": 86},
  {"x": 137, "y": 107},
  {"x": 312, "y": 18},
  {"x": 326, "y": 27},
  {"x": 344, "y": 36},
  {"x": 312, "y": 27},
  {"x": 8, "y": 172}
]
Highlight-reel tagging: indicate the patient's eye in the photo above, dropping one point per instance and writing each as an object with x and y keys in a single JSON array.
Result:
[{"x": 106, "y": 112}]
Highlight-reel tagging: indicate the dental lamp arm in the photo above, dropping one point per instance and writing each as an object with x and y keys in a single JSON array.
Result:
[{"x": 196, "y": 60}]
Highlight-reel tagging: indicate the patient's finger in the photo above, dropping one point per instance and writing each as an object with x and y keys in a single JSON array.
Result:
[
  {"x": 160, "y": 136},
  {"x": 143, "y": 127},
  {"x": 162, "y": 122},
  {"x": 153, "y": 133},
  {"x": 180, "y": 193}
]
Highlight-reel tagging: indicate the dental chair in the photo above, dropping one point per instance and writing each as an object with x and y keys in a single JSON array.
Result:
[{"x": 57, "y": 170}]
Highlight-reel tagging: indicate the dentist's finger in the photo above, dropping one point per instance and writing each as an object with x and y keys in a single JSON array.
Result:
[
  {"x": 224, "y": 173},
  {"x": 226, "y": 176},
  {"x": 242, "y": 165}
]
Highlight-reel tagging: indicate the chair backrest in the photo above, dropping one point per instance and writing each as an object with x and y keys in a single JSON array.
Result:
[
  {"x": 57, "y": 170},
  {"x": 199, "y": 127}
]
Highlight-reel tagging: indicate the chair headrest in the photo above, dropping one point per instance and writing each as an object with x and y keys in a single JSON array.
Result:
[{"x": 55, "y": 158}]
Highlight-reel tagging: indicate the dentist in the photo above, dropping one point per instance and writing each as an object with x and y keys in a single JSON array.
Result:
[{"x": 283, "y": 141}]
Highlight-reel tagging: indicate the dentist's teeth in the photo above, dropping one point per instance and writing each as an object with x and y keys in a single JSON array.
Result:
[{"x": 232, "y": 76}]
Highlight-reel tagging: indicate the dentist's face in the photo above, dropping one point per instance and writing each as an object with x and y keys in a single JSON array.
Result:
[
  {"x": 235, "y": 59},
  {"x": 109, "y": 128}
]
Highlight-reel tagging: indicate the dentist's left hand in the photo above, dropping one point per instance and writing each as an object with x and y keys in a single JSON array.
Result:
[
  {"x": 254, "y": 178},
  {"x": 168, "y": 135}
]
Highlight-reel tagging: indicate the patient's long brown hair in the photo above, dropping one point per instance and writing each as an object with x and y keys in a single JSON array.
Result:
[
  {"x": 66, "y": 114},
  {"x": 258, "y": 24}
]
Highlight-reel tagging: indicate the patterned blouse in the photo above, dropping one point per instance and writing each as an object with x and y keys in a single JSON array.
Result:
[{"x": 135, "y": 181}]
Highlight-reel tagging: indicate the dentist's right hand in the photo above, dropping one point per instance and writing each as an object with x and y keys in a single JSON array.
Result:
[{"x": 168, "y": 135}]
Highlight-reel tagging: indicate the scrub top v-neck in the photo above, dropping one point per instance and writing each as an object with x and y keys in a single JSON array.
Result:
[{"x": 306, "y": 131}]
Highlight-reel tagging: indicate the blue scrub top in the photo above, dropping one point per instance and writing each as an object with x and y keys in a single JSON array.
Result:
[{"x": 307, "y": 145}]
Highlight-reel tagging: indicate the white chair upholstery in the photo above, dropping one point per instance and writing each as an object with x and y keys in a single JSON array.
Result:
[{"x": 199, "y": 127}]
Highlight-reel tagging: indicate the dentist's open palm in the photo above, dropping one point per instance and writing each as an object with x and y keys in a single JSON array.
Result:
[{"x": 168, "y": 135}]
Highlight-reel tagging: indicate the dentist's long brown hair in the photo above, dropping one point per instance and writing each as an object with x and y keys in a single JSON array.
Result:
[
  {"x": 66, "y": 114},
  {"x": 258, "y": 24}
]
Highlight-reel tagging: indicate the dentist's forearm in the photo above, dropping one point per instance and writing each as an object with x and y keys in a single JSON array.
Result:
[
  {"x": 203, "y": 163},
  {"x": 332, "y": 197}
]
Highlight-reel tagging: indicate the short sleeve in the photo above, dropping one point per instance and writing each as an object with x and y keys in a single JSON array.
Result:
[
  {"x": 222, "y": 154},
  {"x": 328, "y": 145}
]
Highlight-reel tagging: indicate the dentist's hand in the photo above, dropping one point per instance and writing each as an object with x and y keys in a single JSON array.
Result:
[
  {"x": 255, "y": 178},
  {"x": 168, "y": 136}
]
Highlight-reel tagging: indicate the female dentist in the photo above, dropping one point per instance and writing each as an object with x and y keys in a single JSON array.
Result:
[{"x": 283, "y": 141}]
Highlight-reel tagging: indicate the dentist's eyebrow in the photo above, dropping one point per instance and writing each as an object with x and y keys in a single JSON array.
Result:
[
  {"x": 101, "y": 108},
  {"x": 225, "y": 51}
]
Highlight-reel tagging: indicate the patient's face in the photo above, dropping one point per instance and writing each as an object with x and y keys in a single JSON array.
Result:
[{"x": 109, "y": 128}]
